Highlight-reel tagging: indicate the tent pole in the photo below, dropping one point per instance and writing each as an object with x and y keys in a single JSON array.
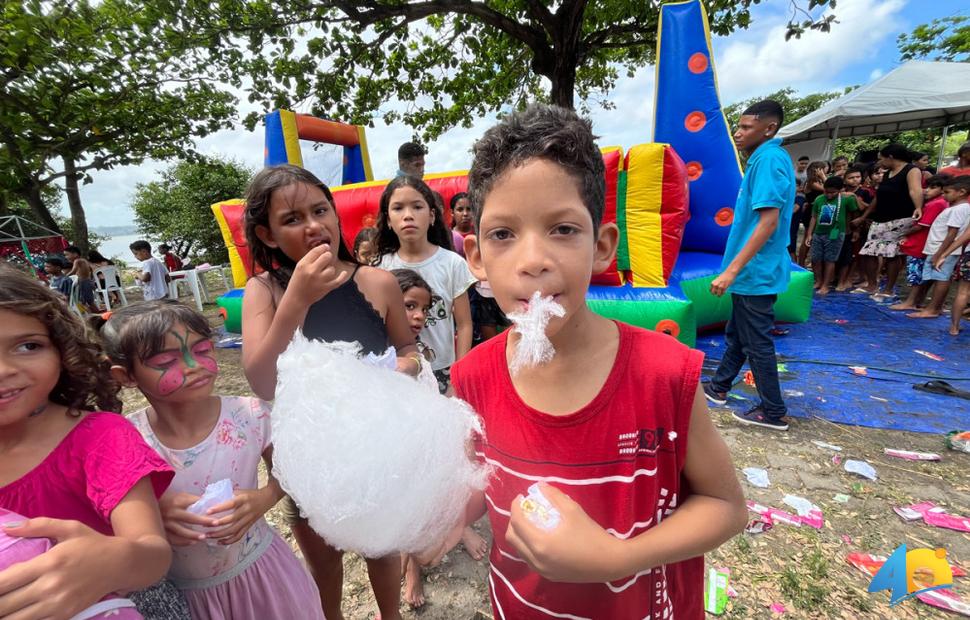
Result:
[
  {"x": 835, "y": 134},
  {"x": 939, "y": 157}
]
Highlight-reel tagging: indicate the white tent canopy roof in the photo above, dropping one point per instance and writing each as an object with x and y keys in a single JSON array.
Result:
[{"x": 915, "y": 95}]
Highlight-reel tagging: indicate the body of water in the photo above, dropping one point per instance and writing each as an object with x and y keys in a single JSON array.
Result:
[{"x": 117, "y": 247}]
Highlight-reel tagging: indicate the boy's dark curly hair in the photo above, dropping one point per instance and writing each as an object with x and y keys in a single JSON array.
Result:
[
  {"x": 85, "y": 382},
  {"x": 545, "y": 132}
]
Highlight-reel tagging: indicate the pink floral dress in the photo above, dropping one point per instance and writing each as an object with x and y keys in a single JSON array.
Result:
[{"x": 259, "y": 576}]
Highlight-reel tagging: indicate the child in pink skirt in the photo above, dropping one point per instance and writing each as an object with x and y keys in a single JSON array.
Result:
[
  {"x": 228, "y": 562},
  {"x": 70, "y": 471}
]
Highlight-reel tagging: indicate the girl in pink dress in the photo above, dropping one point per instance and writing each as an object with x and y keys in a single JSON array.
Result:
[
  {"x": 229, "y": 563},
  {"x": 80, "y": 477}
]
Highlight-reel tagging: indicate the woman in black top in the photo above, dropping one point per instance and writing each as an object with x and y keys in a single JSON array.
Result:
[{"x": 898, "y": 202}]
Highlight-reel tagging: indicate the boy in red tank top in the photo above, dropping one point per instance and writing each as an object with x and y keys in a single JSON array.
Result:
[{"x": 614, "y": 426}]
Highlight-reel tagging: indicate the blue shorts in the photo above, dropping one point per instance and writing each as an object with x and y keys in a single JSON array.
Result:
[
  {"x": 825, "y": 249},
  {"x": 914, "y": 270},
  {"x": 943, "y": 275}
]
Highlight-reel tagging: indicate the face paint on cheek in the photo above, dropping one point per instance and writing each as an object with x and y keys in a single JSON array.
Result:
[{"x": 172, "y": 379}]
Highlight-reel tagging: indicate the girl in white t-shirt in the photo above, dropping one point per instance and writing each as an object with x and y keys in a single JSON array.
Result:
[{"x": 411, "y": 234}]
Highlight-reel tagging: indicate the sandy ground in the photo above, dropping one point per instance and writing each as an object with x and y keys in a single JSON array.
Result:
[{"x": 801, "y": 568}]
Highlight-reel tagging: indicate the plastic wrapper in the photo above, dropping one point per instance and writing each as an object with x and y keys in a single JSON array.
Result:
[
  {"x": 958, "y": 440},
  {"x": 376, "y": 461},
  {"x": 14, "y": 549},
  {"x": 910, "y": 455},
  {"x": 860, "y": 468},
  {"x": 827, "y": 446},
  {"x": 538, "y": 510},
  {"x": 533, "y": 347},
  {"x": 812, "y": 518},
  {"x": 214, "y": 494},
  {"x": 715, "y": 591},
  {"x": 757, "y": 477},
  {"x": 933, "y": 515}
]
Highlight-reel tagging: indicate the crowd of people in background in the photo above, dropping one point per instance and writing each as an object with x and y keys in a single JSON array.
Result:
[{"x": 861, "y": 225}]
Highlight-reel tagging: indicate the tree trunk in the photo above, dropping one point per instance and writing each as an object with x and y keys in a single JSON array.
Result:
[
  {"x": 36, "y": 203},
  {"x": 4, "y": 204},
  {"x": 563, "y": 88},
  {"x": 79, "y": 222}
]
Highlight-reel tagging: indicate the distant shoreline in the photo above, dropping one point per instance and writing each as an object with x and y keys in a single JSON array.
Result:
[{"x": 115, "y": 231}]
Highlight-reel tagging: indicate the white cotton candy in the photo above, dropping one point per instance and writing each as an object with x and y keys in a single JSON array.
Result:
[
  {"x": 375, "y": 460},
  {"x": 533, "y": 347}
]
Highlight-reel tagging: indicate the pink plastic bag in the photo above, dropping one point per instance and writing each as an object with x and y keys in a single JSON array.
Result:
[
  {"x": 935, "y": 516},
  {"x": 13, "y": 549}
]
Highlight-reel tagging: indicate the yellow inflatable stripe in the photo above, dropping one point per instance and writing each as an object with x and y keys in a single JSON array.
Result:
[
  {"x": 383, "y": 182},
  {"x": 291, "y": 138},
  {"x": 235, "y": 261},
  {"x": 643, "y": 201},
  {"x": 364, "y": 153}
]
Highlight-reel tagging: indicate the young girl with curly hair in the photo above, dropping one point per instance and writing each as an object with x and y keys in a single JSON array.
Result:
[{"x": 83, "y": 477}]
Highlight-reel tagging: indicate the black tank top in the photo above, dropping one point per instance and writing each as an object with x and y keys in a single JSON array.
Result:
[
  {"x": 893, "y": 201},
  {"x": 345, "y": 314}
]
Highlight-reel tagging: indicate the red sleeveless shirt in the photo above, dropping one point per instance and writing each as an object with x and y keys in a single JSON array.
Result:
[{"x": 620, "y": 457}]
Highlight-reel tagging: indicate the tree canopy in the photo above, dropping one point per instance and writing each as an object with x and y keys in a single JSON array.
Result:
[
  {"x": 435, "y": 64},
  {"x": 87, "y": 86},
  {"x": 946, "y": 38},
  {"x": 176, "y": 207}
]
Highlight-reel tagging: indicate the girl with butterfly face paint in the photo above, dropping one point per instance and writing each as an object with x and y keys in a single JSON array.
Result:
[{"x": 228, "y": 562}]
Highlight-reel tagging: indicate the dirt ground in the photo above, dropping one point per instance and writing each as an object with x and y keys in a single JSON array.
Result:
[{"x": 801, "y": 568}]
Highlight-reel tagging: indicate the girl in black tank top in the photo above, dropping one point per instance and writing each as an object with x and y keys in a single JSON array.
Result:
[
  {"x": 345, "y": 314},
  {"x": 312, "y": 281}
]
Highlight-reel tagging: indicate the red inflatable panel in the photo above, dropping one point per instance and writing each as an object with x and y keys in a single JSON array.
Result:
[
  {"x": 613, "y": 158},
  {"x": 358, "y": 204},
  {"x": 675, "y": 194}
]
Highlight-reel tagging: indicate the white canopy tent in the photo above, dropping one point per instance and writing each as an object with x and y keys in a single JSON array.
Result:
[{"x": 915, "y": 95}]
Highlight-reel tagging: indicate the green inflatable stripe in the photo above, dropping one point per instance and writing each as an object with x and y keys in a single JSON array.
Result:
[
  {"x": 623, "y": 250},
  {"x": 793, "y": 306},
  {"x": 648, "y": 314}
]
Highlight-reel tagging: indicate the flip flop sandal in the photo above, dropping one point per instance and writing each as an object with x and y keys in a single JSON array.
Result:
[{"x": 941, "y": 387}]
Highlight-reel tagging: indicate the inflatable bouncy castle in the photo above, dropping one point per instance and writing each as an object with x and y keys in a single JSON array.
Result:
[{"x": 672, "y": 199}]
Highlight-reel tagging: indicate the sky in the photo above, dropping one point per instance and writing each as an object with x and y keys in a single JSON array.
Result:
[{"x": 749, "y": 63}]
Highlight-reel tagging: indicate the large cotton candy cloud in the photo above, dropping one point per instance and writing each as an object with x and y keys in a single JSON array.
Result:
[{"x": 376, "y": 461}]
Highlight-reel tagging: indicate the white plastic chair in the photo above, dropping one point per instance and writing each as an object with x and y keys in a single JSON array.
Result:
[{"x": 109, "y": 285}]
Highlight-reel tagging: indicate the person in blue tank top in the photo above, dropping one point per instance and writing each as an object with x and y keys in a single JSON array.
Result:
[{"x": 756, "y": 265}]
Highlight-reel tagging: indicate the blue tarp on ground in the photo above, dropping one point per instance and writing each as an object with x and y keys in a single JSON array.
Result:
[{"x": 852, "y": 330}]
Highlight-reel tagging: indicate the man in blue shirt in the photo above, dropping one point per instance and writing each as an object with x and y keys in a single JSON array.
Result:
[{"x": 756, "y": 265}]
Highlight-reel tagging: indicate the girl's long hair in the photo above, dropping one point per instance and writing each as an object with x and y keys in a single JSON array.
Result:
[
  {"x": 272, "y": 260},
  {"x": 387, "y": 241},
  {"x": 85, "y": 381}
]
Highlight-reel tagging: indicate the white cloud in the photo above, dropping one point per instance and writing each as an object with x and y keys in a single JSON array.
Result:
[
  {"x": 762, "y": 61},
  {"x": 876, "y": 74}
]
